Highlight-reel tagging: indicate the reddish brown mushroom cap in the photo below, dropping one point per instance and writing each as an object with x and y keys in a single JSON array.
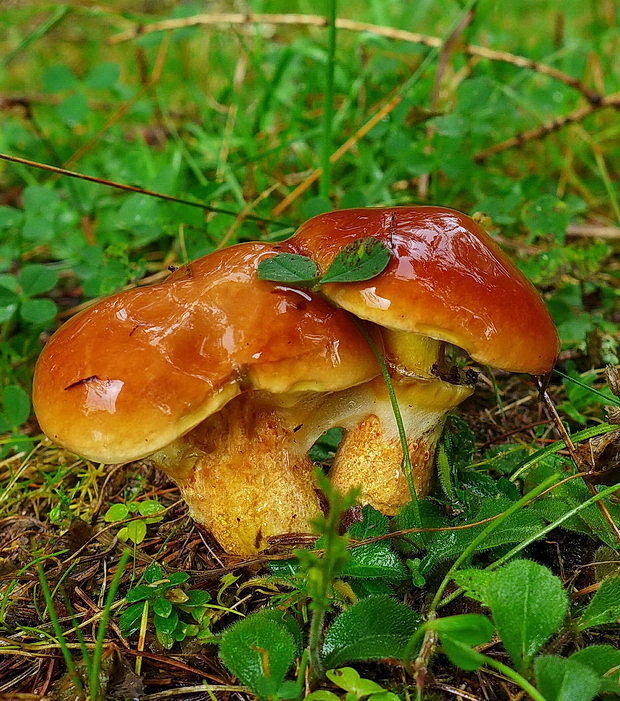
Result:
[
  {"x": 447, "y": 279},
  {"x": 138, "y": 369}
]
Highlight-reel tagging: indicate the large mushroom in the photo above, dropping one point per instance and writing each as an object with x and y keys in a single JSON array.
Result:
[
  {"x": 447, "y": 282},
  {"x": 209, "y": 375}
]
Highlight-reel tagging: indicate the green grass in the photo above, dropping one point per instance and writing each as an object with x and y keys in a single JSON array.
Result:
[{"x": 225, "y": 119}]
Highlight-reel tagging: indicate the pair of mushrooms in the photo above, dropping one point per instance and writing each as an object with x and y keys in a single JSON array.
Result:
[{"x": 224, "y": 381}]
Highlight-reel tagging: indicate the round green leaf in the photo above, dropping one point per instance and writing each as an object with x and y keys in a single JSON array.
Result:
[
  {"x": 38, "y": 311},
  {"x": 136, "y": 531},
  {"x": 58, "y": 78},
  {"x": 166, "y": 624},
  {"x": 130, "y": 620},
  {"x": 162, "y": 607},
  {"x": 197, "y": 597},
  {"x": 16, "y": 405},
  {"x": 117, "y": 512},
  {"x": 73, "y": 109},
  {"x": 153, "y": 573},
  {"x": 103, "y": 76},
  {"x": 36, "y": 279},
  {"x": 348, "y": 679},
  {"x": 9, "y": 300},
  {"x": 140, "y": 593}
]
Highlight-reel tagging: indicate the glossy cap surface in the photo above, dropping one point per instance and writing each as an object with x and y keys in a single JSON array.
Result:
[
  {"x": 136, "y": 370},
  {"x": 447, "y": 279}
]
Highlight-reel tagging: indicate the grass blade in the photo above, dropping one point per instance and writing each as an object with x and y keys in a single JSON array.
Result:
[{"x": 103, "y": 623}]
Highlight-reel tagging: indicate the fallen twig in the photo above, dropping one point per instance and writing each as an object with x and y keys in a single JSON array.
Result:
[
  {"x": 577, "y": 115},
  {"x": 351, "y": 25}
]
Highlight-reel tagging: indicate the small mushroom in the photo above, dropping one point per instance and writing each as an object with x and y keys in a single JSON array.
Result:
[
  {"x": 213, "y": 375},
  {"x": 447, "y": 282}
]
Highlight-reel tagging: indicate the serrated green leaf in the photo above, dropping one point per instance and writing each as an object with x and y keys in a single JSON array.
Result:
[
  {"x": 16, "y": 405},
  {"x": 259, "y": 651},
  {"x": 374, "y": 628},
  {"x": 162, "y": 607},
  {"x": 604, "y": 607},
  {"x": 407, "y": 517},
  {"x": 130, "y": 619},
  {"x": 36, "y": 279},
  {"x": 38, "y": 311},
  {"x": 570, "y": 495},
  {"x": 604, "y": 660},
  {"x": 475, "y": 583},
  {"x": 560, "y": 679},
  {"x": 375, "y": 560},
  {"x": 289, "y": 267},
  {"x": 116, "y": 512},
  {"x": 528, "y": 604},
  {"x": 361, "y": 260},
  {"x": 446, "y": 545}
]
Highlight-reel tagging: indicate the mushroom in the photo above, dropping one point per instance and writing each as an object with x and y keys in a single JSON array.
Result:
[
  {"x": 209, "y": 375},
  {"x": 447, "y": 282}
]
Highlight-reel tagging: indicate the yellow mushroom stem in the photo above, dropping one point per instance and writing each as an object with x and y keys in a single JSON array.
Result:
[
  {"x": 243, "y": 474},
  {"x": 370, "y": 456}
]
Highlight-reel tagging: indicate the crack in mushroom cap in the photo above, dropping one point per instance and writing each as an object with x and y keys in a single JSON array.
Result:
[
  {"x": 447, "y": 279},
  {"x": 139, "y": 369}
]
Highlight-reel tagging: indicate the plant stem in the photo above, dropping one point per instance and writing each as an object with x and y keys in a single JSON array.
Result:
[
  {"x": 326, "y": 570},
  {"x": 103, "y": 623},
  {"x": 328, "y": 104},
  {"x": 408, "y": 470},
  {"x": 515, "y": 677},
  {"x": 49, "y": 602}
]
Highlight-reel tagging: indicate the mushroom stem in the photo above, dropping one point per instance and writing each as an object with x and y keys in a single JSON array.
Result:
[
  {"x": 411, "y": 354},
  {"x": 243, "y": 474},
  {"x": 370, "y": 456}
]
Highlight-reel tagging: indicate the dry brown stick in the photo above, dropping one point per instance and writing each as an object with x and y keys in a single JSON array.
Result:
[
  {"x": 131, "y": 188},
  {"x": 593, "y": 231},
  {"x": 351, "y": 25},
  {"x": 549, "y": 127}
]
